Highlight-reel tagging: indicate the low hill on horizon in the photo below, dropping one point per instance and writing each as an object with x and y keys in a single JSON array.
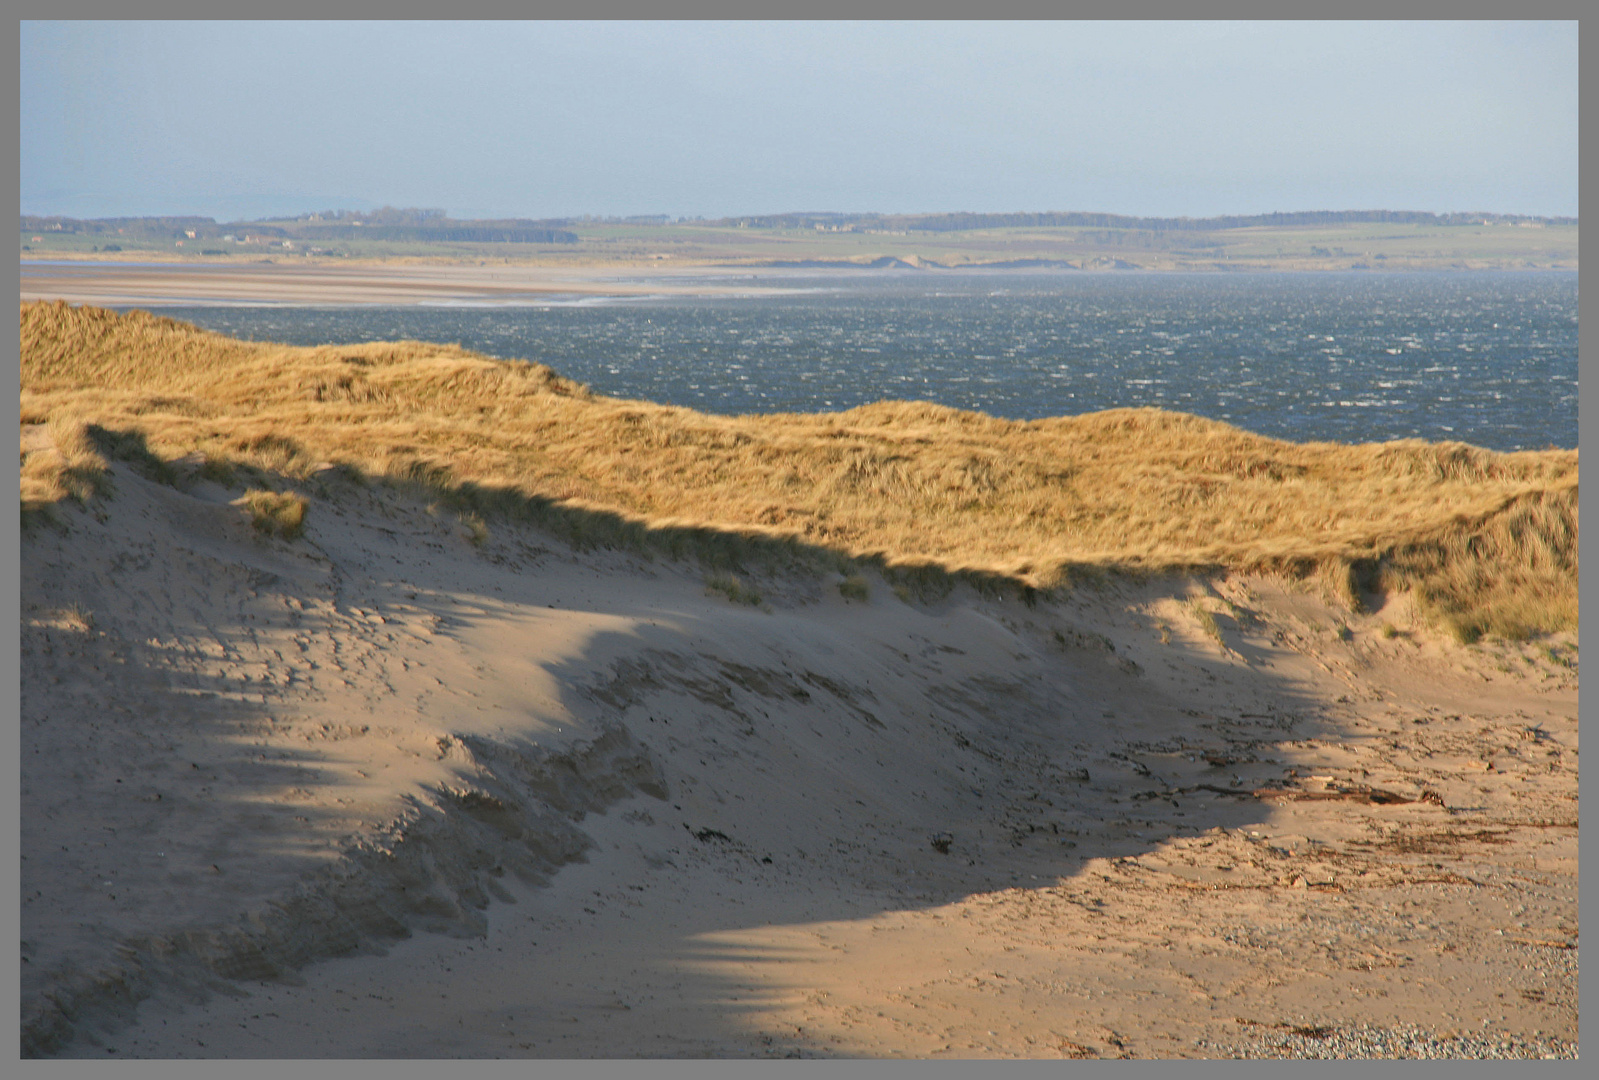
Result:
[{"x": 1301, "y": 241}]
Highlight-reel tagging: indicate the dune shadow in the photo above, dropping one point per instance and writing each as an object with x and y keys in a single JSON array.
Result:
[
  {"x": 154, "y": 794},
  {"x": 812, "y": 758},
  {"x": 917, "y": 772}
]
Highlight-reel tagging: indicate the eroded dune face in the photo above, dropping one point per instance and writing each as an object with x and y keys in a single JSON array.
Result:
[{"x": 408, "y": 785}]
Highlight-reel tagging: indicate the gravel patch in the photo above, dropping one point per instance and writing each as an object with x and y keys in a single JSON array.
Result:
[{"x": 1375, "y": 1042}]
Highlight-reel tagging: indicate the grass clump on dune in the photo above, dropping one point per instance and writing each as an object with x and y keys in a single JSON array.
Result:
[
  {"x": 1206, "y": 620},
  {"x": 60, "y": 462},
  {"x": 854, "y": 587},
  {"x": 921, "y": 493},
  {"x": 276, "y": 513},
  {"x": 734, "y": 589}
]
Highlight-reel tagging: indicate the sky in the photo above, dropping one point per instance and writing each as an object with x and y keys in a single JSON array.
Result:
[{"x": 242, "y": 120}]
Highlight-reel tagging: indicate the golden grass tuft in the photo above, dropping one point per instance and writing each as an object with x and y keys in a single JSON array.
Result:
[
  {"x": 276, "y": 513},
  {"x": 60, "y": 460},
  {"x": 925, "y": 495},
  {"x": 77, "y": 617}
]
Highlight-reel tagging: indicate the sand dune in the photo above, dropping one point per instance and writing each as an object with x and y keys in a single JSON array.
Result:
[
  {"x": 400, "y": 787},
  {"x": 1485, "y": 542}
]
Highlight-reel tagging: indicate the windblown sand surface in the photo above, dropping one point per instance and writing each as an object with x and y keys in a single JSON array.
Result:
[{"x": 385, "y": 791}]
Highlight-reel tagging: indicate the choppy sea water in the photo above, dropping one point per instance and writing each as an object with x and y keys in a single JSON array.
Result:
[{"x": 1484, "y": 358}]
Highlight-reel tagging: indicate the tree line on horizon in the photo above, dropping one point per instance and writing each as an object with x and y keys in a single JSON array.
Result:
[{"x": 387, "y": 223}]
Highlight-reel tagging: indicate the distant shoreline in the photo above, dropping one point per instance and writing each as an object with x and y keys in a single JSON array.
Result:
[{"x": 604, "y": 251}]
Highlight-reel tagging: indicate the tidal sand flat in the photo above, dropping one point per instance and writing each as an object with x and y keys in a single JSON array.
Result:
[
  {"x": 390, "y": 700},
  {"x": 265, "y": 282}
]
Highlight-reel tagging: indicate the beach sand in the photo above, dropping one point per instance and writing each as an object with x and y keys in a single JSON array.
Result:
[{"x": 388, "y": 791}]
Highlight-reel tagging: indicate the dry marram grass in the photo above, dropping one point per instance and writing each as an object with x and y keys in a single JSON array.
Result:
[
  {"x": 1487, "y": 541},
  {"x": 276, "y": 513},
  {"x": 64, "y": 465}
]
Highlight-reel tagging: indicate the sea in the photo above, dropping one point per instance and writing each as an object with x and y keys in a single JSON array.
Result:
[{"x": 1487, "y": 358}]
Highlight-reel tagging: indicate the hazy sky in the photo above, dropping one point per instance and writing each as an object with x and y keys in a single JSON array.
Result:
[{"x": 552, "y": 119}]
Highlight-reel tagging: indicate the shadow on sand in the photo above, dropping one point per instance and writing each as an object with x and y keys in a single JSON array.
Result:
[{"x": 811, "y": 762}]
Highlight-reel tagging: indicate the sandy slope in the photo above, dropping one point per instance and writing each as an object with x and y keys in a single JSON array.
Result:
[{"x": 632, "y": 818}]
